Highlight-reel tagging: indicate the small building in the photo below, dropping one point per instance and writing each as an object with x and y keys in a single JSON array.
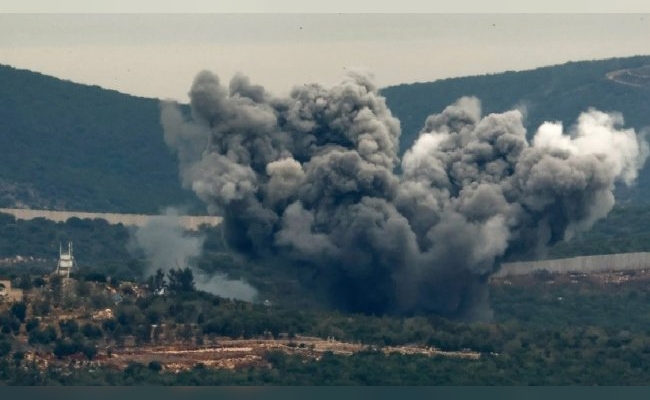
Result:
[
  {"x": 8, "y": 294},
  {"x": 66, "y": 261}
]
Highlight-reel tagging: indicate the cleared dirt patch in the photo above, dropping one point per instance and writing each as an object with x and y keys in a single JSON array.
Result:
[
  {"x": 638, "y": 77},
  {"x": 230, "y": 354}
]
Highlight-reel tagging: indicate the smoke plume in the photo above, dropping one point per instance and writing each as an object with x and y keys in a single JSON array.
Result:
[
  {"x": 166, "y": 246},
  {"x": 310, "y": 180}
]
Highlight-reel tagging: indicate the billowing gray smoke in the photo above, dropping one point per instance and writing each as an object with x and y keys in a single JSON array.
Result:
[
  {"x": 167, "y": 247},
  {"x": 310, "y": 180}
]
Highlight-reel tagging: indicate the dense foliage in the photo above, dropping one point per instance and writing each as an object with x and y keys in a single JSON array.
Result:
[
  {"x": 543, "y": 334},
  {"x": 625, "y": 230},
  {"x": 78, "y": 147},
  {"x": 102, "y": 247},
  {"x": 552, "y": 93}
]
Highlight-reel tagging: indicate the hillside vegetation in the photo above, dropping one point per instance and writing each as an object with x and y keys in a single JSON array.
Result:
[
  {"x": 548, "y": 330},
  {"x": 78, "y": 147},
  {"x": 554, "y": 93}
]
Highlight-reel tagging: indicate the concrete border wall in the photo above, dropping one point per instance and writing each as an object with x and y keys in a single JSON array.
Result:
[
  {"x": 187, "y": 221},
  {"x": 584, "y": 264}
]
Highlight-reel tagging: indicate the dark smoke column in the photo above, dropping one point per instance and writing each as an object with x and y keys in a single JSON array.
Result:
[
  {"x": 475, "y": 190},
  {"x": 309, "y": 180}
]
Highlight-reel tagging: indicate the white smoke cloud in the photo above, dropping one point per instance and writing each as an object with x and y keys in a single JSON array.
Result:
[
  {"x": 597, "y": 133},
  {"x": 167, "y": 246},
  {"x": 219, "y": 284}
]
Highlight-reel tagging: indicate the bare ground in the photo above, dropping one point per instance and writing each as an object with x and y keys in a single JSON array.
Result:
[{"x": 229, "y": 354}]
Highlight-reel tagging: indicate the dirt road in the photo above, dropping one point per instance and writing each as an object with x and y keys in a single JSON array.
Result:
[{"x": 230, "y": 354}]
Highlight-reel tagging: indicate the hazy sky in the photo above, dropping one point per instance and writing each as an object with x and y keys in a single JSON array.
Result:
[{"x": 158, "y": 55}]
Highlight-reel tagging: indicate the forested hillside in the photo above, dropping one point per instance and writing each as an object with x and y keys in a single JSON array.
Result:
[
  {"x": 554, "y": 93},
  {"x": 73, "y": 146},
  {"x": 78, "y": 147}
]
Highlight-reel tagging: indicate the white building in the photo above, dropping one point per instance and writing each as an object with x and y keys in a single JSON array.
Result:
[{"x": 66, "y": 261}]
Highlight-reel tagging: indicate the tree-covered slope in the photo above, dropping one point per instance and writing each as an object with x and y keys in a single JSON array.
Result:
[
  {"x": 553, "y": 93},
  {"x": 71, "y": 146}
]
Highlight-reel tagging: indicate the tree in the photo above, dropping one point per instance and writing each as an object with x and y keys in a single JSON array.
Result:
[
  {"x": 156, "y": 281},
  {"x": 109, "y": 325},
  {"x": 19, "y": 310},
  {"x": 89, "y": 350},
  {"x": 186, "y": 332},
  {"x": 5, "y": 347},
  {"x": 9, "y": 323},
  {"x": 18, "y": 357},
  {"x": 56, "y": 283},
  {"x": 181, "y": 280},
  {"x": 44, "y": 336},
  {"x": 155, "y": 366},
  {"x": 91, "y": 331},
  {"x": 143, "y": 334},
  {"x": 64, "y": 348},
  {"x": 24, "y": 282},
  {"x": 129, "y": 316},
  {"x": 68, "y": 327},
  {"x": 118, "y": 335},
  {"x": 82, "y": 288},
  {"x": 39, "y": 281},
  {"x": 198, "y": 338},
  {"x": 95, "y": 277},
  {"x": 41, "y": 308},
  {"x": 153, "y": 316},
  {"x": 32, "y": 324}
]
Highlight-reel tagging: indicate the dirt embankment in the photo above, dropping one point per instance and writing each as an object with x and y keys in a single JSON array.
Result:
[{"x": 230, "y": 354}]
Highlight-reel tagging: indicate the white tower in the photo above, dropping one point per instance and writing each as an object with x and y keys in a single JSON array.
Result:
[{"x": 66, "y": 261}]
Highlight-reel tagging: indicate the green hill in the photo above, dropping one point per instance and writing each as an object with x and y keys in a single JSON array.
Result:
[
  {"x": 553, "y": 93},
  {"x": 71, "y": 146}
]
